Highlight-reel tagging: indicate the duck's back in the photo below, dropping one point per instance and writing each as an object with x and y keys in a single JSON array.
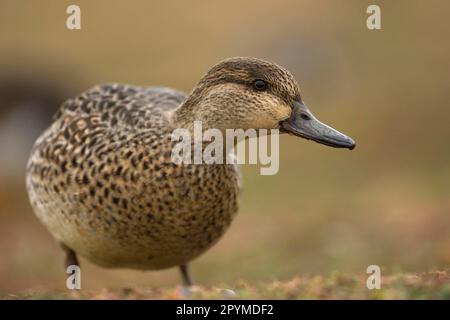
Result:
[
  {"x": 103, "y": 116},
  {"x": 102, "y": 180},
  {"x": 127, "y": 106}
]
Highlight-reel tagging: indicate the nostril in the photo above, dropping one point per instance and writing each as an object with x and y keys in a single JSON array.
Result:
[{"x": 304, "y": 116}]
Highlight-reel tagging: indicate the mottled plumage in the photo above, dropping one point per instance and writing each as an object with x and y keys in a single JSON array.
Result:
[{"x": 102, "y": 180}]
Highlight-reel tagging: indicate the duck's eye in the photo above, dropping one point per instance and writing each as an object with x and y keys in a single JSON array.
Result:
[{"x": 260, "y": 85}]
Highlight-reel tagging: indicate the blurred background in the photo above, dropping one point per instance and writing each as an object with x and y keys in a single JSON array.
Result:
[{"x": 385, "y": 203}]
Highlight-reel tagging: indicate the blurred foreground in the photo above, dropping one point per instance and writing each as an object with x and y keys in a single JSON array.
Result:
[{"x": 435, "y": 285}]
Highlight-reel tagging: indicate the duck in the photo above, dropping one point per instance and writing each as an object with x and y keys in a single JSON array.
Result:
[{"x": 101, "y": 178}]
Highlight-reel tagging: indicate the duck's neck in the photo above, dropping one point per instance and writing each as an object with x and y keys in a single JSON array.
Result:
[
  {"x": 193, "y": 109},
  {"x": 184, "y": 116},
  {"x": 197, "y": 115}
]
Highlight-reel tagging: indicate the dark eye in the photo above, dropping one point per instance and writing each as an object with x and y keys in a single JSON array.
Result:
[{"x": 260, "y": 85}]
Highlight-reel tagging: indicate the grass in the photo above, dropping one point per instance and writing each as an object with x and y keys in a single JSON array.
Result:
[{"x": 430, "y": 285}]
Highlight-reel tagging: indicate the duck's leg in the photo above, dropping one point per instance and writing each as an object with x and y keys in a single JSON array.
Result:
[
  {"x": 71, "y": 256},
  {"x": 185, "y": 274}
]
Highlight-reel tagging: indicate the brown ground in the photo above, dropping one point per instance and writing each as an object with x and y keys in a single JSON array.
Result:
[{"x": 431, "y": 285}]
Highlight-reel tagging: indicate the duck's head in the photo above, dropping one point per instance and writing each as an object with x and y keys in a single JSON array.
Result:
[{"x": 243, "y": 93}]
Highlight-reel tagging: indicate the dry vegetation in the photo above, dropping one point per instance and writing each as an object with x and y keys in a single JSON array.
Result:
[{"x": 432, "y": 285}]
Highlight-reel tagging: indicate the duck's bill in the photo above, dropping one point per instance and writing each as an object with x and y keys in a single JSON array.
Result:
[{"x": 302, "y": 123}]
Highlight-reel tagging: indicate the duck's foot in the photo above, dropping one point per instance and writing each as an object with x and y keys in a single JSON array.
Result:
[
  {"x": 186, "y": 292},
  {"x": 185, "y": 275},
  {"x": 228, "y": 293}
]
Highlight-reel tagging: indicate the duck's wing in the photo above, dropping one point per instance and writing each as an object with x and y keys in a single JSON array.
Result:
[
  {"x": 100, "y": 121},
  {"x": 123, "y": 105}
]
